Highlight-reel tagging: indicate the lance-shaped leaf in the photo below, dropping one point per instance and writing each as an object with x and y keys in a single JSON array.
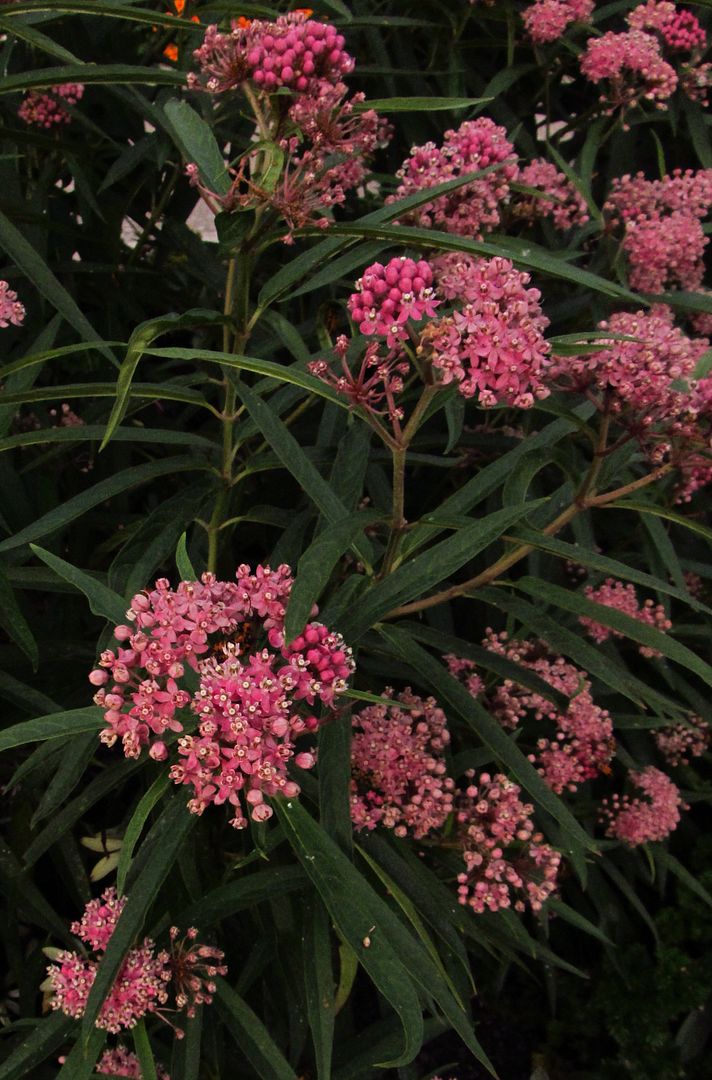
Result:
[{"x": 102, "y": 600}]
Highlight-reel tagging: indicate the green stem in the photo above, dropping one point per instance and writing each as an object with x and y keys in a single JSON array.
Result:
[{"x": 585, "y": 497}]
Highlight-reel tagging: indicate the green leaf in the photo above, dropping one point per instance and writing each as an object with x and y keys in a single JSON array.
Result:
[
  {"x": 14, "y": 622},
  {"x": 316, "y": 565},
  {"x": 52, "y": 726},
  {"x": 664, "y": 859},
  {"x": 72, "y": 765},
  {"x": 198, "y": 145},
  {"x": 183, "y": 563},
  {"x": 102, "y": 600},
  {"x": 319, "y": 985},
  {"x": 417, "y": 576},
  {"x": 96, "y": 432},
  {"x": 43, "y": 1041},
  {"x": 308, "y": 262},
  {"x": 617, "y": 620},
  {"x": 23, "y": 255},
  {"x": 531, "y": 256},
  {"x": 570, "y": 915},
  {"x": 583, "y": 557},
  {"x": 486, "y": 659},
  {"x": 146, "y": 804},
  {"x": 356, "y": 911},
  {"x": 252, "y": 1036},
  {"x": 121, "y": 481},
  {"x": 80, "y": 1061},
  {"x": 247, "y": 891},
  {"x": 108, "y": 10},
  {"x": 334, "y": 757},
  {"x": 663, "y": 512},
  {"x": 144, "y": 1053},
  {"x": 142, "y": 337},
  {"x": 17, "y": 886},
  {"x": 63, "y": 822},
  {"x": 37, "y": 40},
  {"x": 295, "y": 461},
  {"x": 394, "y": 960},
  {"x": 450, "y": 691},
  {"x": 164, "y": 841},
  {"x": 419, "y": 104},
  {"x": 588, "y": 657},
  {"x": 93, "y": 75}
]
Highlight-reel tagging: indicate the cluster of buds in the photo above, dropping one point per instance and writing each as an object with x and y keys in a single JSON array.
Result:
[
  {"x": 507, "y": 863},
  {"x": 122, "y": 1062},
  {"x": 12, "y": 312},
  {"x": 645, "y": 382},
  {"x": 398, "y": 772},
  {"x": 582, "y": 743},
  {"x": 473, "y": 322},
  {"x": 663, "y": 237},
  {"x": 681, "y": 742},
  {"x": 248, "y": 699},
  {"x": 637, "y": 821},
  {"x": 47, "y": 110},
  {"x": 291, "y": 70},
  {"x": 635, "y": 65},
  {"x": 546, "y": 20},
  {"x": 621, "y": 597}
]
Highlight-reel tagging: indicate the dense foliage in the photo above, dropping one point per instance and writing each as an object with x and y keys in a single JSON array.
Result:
[{"x": 354, "y": 589}]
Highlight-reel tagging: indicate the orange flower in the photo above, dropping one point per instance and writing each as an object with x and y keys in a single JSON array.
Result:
[{"x": 171, "y": 50}]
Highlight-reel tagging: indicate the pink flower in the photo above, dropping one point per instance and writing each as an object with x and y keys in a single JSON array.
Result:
[
  {"x": 507, "y": 864},
  {"x": 494, "y": 346},
  {"x": 632, "y": 67},
  {"x": 640, "y": 381},
  {"x": 294, "y": 52},
  {"x": 48, "y": 109},
  {"x": 247, "y": 702},
  {"x": 398, "y": 772},
  {"x": 582, "y": 743},
  {"x": 566, "y": 206},
  {"x": 546, "y": 20},
  {"x": 641, "y": 820},
  {"x": 681, "y": 742},
  {"x": 143, "y": 981},
  {"x": 473, "y": 208},
  {"x": 621, "y": 597},
  {"x": 122, "y": 1062},
  {"x": 663, "y": 238},
  {"x": 387, "y": 297},
  {"x": 11, "y": 310}
]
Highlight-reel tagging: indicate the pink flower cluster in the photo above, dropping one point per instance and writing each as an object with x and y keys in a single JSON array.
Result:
[
  {"x": 140, "y": 986},
  {"x": 639, "y": 381},
  {"x": 546, "y": 20},
  {"x": 247, "y": 699},
  {"x": 295, "y": 52},
  {"x": 582, "y": 744},
  {"x": 681, "y": 742},
  {"x": 493, "y": 346},
  {"x": 622, "y": 597},
  {"x": 680, "y": 30},
  {"x": 632, "y": 67},
  {"x": 473, "y": 208},
  {"x": 122, "y": 1062},
  {"x": 663, "y": 238},
  {"x": 563, "y": 203},
  {"x": 398, "y": 773},
  {"x": 48, "y": 109},
  {"x": 387, "y": 297},
  {"x": 641, "y": 820},
  {"x": 633, "y": 62},
  {"x": 329, "y": 136},
  {"x": 12, "y": 312},
  {"x": 507, "y": 864}
]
